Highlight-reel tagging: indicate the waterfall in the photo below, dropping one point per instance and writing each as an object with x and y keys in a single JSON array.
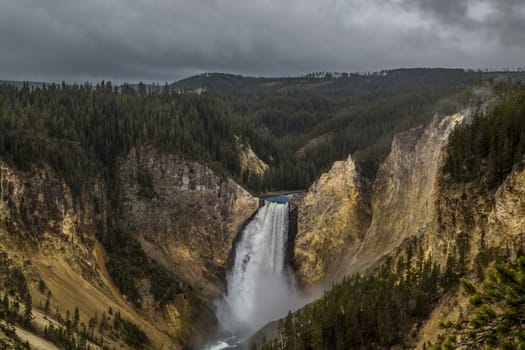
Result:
[{"x": 259, "y": 286}]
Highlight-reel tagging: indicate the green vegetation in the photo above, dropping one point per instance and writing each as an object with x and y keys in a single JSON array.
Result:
[
  {"x": 363, "y": 312},
  {"x": 486, "y": 149},
  {"x": 134, "y": 336},
  {"x": 386, "y": 308},
  {"x": 128, "y": 263},
  {"x": 499, "y": 312},
  {"x": 68, "y": 332},
  {"x": 71, "y": 335},
  {"x": 355, "y": 114},
  {"x": 16, "y": 294},
  {"x": 331, "y": 84},
  {"x": 80, "y": 130},
  {"x": 76, "y": 128}
]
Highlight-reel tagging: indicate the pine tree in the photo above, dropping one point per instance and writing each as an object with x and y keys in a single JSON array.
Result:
[
  {"x": 104, "y": 325},
  {"x": 498, "y": 320},
  {"x": 76, "y": 318},
  {"x": 28, "y": 308},
  {"x": 47, "y": 305}
]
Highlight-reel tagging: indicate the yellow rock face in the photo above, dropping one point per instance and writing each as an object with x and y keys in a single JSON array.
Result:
[
  {"x": 188, "y": 223},
  {"x": 249, "y": 161},
  {"x": 507, "y": 219},
  {"x": 411, "y": 200},
  {"x": 405, "y": 191},
  {"x": 50, "y": 235},
  {"x": 494, "y": 219},
  {"x": 331, "y": 221},
  {"x": 191, "y": 217},
  {"x": 340, "y": 233}
]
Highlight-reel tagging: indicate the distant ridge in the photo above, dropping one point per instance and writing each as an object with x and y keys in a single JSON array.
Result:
[
  {"x": 20, "y": 84},
  {"x": 322, "y": 82},
  {"x": 329, "y": 83}
]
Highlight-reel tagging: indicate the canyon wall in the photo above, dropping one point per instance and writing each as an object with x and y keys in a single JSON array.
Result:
[
  {"x": 346, "y": 225},
  {"x": 331, "y": 222},
  {"x": 410, "y": 200},
  {"x": 184, "y": 216}
]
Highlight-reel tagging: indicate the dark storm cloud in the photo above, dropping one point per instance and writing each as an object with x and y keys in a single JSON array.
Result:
[
  {"x": 496, "y": 19},
  {"x": 168, "y": 39}
]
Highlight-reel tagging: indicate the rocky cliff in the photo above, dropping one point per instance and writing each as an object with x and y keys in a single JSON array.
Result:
[
  {"x": 248, "y": 160},
  {"x": 342, "y": 228},
  {"x": 413, "y": 203},
  {"x": 185, "y": 217},
  {"x": 405, "y": 190},
  {"x": 331, "y": 223},
  {"x": 49, "y": 233},
  {"x": 475, "y": 225}
]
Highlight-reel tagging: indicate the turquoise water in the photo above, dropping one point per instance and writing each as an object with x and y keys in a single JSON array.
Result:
[{"x": 279, "y": 198}]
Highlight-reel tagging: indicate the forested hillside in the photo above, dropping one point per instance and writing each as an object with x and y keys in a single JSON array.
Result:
[
  {"x": 300, "y": 126},
  {"x": 82, "y": 129},
  {"x": 385, "y": 309},
  {"x": 370, "y": 312},
  {"x": 486, "y": 149},
  {"x": 331, "y": 83},
  {"x": 81, "y": 132}
]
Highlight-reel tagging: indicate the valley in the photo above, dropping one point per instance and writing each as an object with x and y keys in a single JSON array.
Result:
[{"x": 135, "y": 217}]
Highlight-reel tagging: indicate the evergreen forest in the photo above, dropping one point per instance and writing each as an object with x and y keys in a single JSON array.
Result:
[{"x": 299, "y": 129}]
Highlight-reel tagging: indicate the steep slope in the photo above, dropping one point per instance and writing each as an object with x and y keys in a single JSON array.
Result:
[
  {"x": 404, "y": 192},
  {"x": 49, "y": 235},
  {"x": 508, "y": 213},
  {"x": 184, "y": 216},
  {"x": 341, "y": 229},
  {"x": 419, "y": 215},
  {"x": 477, "y": 227},
  {"x": 249, "y": 161},
  {"x": 332, "y": 219}
]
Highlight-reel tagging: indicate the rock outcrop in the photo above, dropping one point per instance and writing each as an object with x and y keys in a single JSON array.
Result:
[
  {"x": 249, "y": 161},
  {"x": 186, "y": 217},
  {"x": 413, "y": 203},
  {"x": 49, "y": 233},
  {"x": 405, "y": 191},
  {"x": 332, "y": 219},
  {"x": 339, "y": 231},
  {"x": 506, "y": 221},
  {"x": 476, "y": 225}
]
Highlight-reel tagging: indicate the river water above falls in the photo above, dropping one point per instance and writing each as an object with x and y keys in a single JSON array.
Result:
[{"x": 260, "y": 288}]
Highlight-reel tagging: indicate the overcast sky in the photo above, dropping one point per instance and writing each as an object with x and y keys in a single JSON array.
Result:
[{"x": 165, "y": 40}]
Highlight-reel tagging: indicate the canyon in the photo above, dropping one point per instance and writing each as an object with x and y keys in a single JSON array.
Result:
[{"x": 189, "y": 220}]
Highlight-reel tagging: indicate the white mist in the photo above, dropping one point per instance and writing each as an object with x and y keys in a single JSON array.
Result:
[{"x": 259, "y": 286}]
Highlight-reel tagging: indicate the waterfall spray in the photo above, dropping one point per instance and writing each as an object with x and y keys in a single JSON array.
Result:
[{"x": 259, "y": 286}]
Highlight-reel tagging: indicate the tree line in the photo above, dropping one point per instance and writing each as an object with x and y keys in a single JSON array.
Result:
[{"x": 487, "y": 148}]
